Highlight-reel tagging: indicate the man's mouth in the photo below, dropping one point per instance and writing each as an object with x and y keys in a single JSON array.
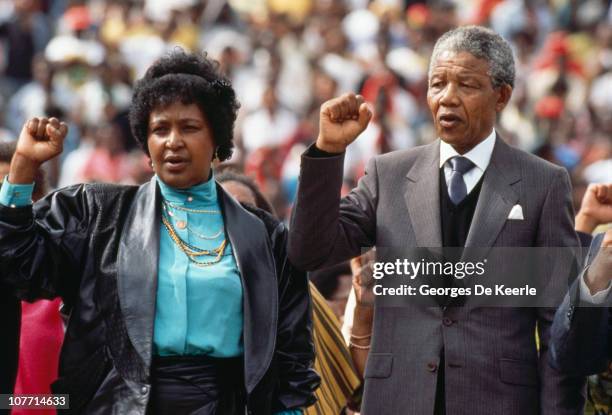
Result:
[{"x": 449, "y": 120}]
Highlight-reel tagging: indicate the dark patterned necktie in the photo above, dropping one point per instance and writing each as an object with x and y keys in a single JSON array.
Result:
[{"x": 457, "y": 189}]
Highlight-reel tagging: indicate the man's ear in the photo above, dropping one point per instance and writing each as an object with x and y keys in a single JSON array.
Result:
[{"x": 505, "y": 92}]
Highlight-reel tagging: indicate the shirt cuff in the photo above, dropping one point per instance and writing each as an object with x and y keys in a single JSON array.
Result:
[
  {"x": 16, "y": 195},
  {"x": 316, "y": 152},
  {"x": 597, "y": 298}
]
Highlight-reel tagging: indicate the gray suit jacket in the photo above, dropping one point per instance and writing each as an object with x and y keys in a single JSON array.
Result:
[{"x": 491, "y": 362}]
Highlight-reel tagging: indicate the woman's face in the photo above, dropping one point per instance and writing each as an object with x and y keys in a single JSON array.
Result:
[{"x": 181, "y": 145}]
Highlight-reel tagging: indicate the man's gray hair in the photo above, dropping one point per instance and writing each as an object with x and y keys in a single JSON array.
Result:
[{"x": 482, "y": 43}]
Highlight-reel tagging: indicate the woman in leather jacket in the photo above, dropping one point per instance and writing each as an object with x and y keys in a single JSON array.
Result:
[{"x": 182, "y": 300}]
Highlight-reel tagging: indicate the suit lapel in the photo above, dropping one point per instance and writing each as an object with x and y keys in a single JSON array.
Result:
[
  {"x": 252, "y": 251},
  {"x": 496, "y": 197},
  {"x": 137, "y": 268},
  {"x": 422, "y": 197}
]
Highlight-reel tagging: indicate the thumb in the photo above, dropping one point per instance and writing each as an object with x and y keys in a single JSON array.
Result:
[{"x": 365, "y": 115}]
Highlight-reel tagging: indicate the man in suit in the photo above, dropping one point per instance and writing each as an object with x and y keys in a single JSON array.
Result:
[
  {"x": 459, "y": 191},
  {"x": 582, "y": 329}
]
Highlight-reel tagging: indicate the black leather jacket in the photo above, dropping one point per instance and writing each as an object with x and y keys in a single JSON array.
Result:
[{"x": 97, "y": 247}]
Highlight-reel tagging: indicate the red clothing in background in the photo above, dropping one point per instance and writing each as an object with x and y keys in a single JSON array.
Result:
[{"x": 42, "y": 334}]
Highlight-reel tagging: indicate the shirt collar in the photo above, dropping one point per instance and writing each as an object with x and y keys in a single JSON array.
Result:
[
  {"x": 201, "y": 194},
  {"x": 479, "y": 155}
]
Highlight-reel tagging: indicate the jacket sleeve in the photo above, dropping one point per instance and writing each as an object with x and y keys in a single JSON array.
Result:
[
  {"x": 42, "y": 246},
  {"x": 560, "y": 393},
  {"x": 294, "y": 352},
  {"x": 580, "y": 334},
  {"x": 326, "y": 229}
]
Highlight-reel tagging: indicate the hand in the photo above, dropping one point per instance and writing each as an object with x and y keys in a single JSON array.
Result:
[
  {"x": 342, "y": 120},
  {"x": 599, "y": 274},
  {"x": 363, "y": 282},
  {"x": 40, "y": 140},
  {"x": 596, "y": 207}
]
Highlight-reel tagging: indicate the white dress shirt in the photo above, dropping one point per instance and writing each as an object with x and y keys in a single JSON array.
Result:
[
  {"x": 598, "y": 298},
  {"x": 479, "y": 155}
]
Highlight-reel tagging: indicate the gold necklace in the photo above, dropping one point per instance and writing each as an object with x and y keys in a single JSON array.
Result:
[
  {"x": 184, "y": 209},
  {"x": 191, "y": 254},
  {"x": 183, "y": 225}
]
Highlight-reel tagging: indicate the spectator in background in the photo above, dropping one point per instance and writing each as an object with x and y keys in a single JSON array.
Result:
[
  {"x": 25, "y": 32},
  {"x": 271, "y": 126}
]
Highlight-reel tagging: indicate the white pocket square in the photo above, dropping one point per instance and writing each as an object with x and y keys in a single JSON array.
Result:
[{"x": 516, "y": 213}]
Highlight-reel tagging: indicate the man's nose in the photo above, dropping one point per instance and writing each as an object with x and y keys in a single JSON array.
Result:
[{"x": 449, "y": 95}]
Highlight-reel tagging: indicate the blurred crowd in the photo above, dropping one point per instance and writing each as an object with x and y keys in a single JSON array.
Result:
[{"x": 78, "y": 61}]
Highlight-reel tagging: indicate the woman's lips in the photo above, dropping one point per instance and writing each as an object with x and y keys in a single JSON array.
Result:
[{"x": 175, "y": 165}]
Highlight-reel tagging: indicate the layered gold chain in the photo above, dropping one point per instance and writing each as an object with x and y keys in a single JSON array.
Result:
[
  {"x": 191, "y": 251},
  {"x": 184, "y": 209}
]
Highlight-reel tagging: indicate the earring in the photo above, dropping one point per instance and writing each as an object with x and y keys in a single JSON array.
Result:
[{"x": 151, "y": 163}]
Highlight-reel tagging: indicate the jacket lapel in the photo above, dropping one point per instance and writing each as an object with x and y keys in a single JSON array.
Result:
[
  {"x": 496, "y": 197},
  {"x": 422, "y": 196},
  {"x": 137, "y": 269},
  {"x": 253, "y": 253}
]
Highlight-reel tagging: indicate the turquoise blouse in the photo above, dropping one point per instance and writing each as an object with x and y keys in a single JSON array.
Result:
[{"x": 199, "y": 308}]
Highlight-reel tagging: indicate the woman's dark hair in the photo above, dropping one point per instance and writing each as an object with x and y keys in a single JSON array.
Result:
[
  {"x": 190, "y": 79},
  {"x": 260, "y": 200}
]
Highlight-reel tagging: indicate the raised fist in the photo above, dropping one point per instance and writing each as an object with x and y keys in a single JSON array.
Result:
[
  {"x": 41, "y": 139},
  {"x": 342, "y": 120},
  {"x": 596, "y": 208}
]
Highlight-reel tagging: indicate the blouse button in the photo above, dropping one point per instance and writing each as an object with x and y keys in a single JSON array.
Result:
[
  {"x": 190, "y": 199},
  {"x": 181, "y": 224}
]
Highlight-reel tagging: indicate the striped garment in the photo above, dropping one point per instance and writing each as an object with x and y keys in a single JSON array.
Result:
[{"x": 339, "y": 379}]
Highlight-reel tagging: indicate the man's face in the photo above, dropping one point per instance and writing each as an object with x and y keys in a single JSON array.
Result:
[{"x": 462, "y": 99}]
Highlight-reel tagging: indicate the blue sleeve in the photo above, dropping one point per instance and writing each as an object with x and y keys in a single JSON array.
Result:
[
  {"x": 290, "y": 412},
  {"x": 16, "y": 195}
]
